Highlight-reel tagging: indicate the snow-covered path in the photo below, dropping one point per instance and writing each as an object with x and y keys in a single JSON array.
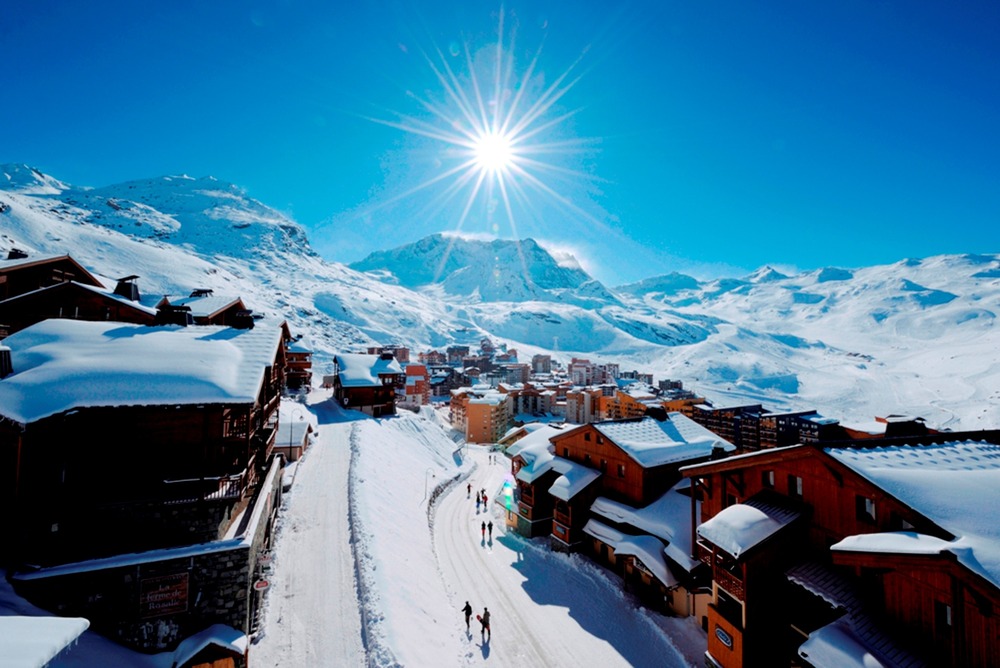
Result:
[
  {"x": 312, "y": 614},
  {"x": 547, "y": 609}
]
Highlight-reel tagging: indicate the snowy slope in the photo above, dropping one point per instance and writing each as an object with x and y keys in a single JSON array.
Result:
[{"x": 917, "y": 336}]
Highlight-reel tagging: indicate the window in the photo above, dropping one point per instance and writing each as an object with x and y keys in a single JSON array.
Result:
[
  {"x": 621, "y": 470},
  {"x": 942, "y": 617},
  {"x": 767, "y": 479},
  {"x": 586, "y": 460},
  {"x": 600, "y": 440},
  {"x": 864, "y": 509},
  {"x": 794, "y": 486},
  {"x": 586, "y": 436},
  {"x": 566, "y": 453},
  {"x": 604, "y": 466}
]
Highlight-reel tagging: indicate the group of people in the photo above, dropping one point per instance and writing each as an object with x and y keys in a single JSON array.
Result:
[
  {"x": 480, "y": 496},
  {"x": 483, "y": 619}
]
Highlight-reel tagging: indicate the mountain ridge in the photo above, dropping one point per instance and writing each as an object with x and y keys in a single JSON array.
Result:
[{"x": 917, "y": 336}]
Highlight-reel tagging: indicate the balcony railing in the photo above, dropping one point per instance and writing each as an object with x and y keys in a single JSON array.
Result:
[
  {"x": 730, "y": 582},
  {"x": 561, "y": 517},
  {"x": 215, "y": 488}
]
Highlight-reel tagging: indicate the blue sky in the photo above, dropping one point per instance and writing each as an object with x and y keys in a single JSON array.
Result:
[{"x": 705, "y": 137}]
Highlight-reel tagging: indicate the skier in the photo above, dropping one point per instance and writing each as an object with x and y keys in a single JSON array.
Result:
[
  {"x": 468, "y": 613},
  {"x": 468, "y": 490},
  {"x": 484, "y": 530},
  {"x": 477, "y": 498},
  {"x": 484, "y": 500},
  {"x": 489, "y": 527},
  {"x": 485, "y": 621}
]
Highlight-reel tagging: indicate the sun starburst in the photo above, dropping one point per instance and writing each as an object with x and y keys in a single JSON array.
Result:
[{"x": 502, "y": 136}]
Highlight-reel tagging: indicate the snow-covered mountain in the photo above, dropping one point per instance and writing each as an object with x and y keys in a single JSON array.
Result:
[
  {"x": 917, "y": 336},
  {"x": 496, "y": 270}
]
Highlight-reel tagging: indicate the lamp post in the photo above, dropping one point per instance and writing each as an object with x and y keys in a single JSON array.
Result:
[{"x": 429, "y": 471}]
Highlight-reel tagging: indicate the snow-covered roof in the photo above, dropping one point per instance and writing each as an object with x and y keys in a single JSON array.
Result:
[
  {"x": 574, "y": 479},
  {"x": 301, "y": 345},
  {"x": 836, "y": 646},
  {"x": 668, "y": 518},
  {"x": 537, "y": 457},
  {"x": 866, "y": 631},
  {"x": 895, "y": 542},
  {"x": 360, "y": 370},
  {"x": 646, "y": 549},
  {"x": 291, "y": 431},
  {"x": 207, "y": 305},
  {"x": 536, "y": 436},
  {"x": 651, "y": 442},
  {"x": 34, "y": 641},
  {"x": 950, "y": 484},
  {"x": 742, "y": 526},
  {"x": 6, "y": 264},
  {"x": 218, "y": 634},
  {"x": 60, "y": 365}
]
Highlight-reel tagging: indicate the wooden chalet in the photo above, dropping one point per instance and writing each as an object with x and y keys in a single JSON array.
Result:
[
  {"x": 91, "y": 447},
  {"x": 207, "y": 308},
  {"x": 299, "y": 364},
  {"x": 73, "y": 300},
  {"x": 367, "y": 383},
  {"x": 21, "y": 273},
  {"x": 881, "y": 548},
  {"x": 144, "y": 441}
]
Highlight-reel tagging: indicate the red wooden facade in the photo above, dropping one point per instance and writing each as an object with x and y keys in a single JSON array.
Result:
[
  {"x": 70, "y": 300},
  {"x": 936, "y": 607},
  {"x": 20, "y": 276}
]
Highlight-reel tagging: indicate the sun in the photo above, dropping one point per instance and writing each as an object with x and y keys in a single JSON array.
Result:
[
  {"x": 502, "y": 146},
  {"x": 493, "y": 152}
]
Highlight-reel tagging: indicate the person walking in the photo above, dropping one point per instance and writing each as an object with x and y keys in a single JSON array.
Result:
[
  {"x": 485, "y": 621},
  {"x": 468, "y": 614},
  {"x": 484, "y": 500},
  {"x": 484, "y": 530},
  {"x": 489, "y": 528},
  {"x": 468, "y": 490}
]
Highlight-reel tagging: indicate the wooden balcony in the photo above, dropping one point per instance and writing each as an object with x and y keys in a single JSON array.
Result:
[
  {"x": 562, "y": 518},
  {"x": 215, "y": 488},
  {"x": 731, "y": 582}
]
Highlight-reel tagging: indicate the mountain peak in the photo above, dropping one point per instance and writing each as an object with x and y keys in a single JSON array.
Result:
[
  {"x": 29, "y": 180},
  {"x": 492, "y": 268}
]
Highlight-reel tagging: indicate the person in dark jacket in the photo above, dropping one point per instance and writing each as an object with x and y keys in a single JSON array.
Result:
[
  {"x": 485, "y": 621},
  {"x": 468, "y": 613}
]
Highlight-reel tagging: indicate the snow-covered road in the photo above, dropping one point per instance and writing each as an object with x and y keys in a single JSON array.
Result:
[
  {"x": 312, "y": 614},
  {"x": 366, "y": 573},
  {"x": 548, "y": 609}
]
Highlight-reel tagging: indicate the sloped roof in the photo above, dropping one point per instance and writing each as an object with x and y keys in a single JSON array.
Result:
[
  {"x": 668, "y": 518},
  {"x": 862, "y": 634},
  {"x": 653, "y": 443},
  {"x": 101, "y": 291},
  {"x": 34, "y": 641},
  {"x": 574, "y": 479},
  {"x": 647, "y": 549},
  {"x": 60, "y": 365},
  {"x": 360, "y": 370},
  {"x": 950, "y": 484},
  {"x": 206, "y": 306},
  {"x": 743, "y": 526},
  {"x": 220, "y": 635},
  {"x": 10, "y": 265}
]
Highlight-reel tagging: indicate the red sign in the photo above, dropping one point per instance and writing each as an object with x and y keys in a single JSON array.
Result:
[{"x": 163, "y": 595}]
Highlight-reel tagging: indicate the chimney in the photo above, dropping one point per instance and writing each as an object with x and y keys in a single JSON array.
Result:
[
  {"x": 127, "y": 288},
  {"x": 6, "y": 366},
  {"x": 16, "y": 254}
]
